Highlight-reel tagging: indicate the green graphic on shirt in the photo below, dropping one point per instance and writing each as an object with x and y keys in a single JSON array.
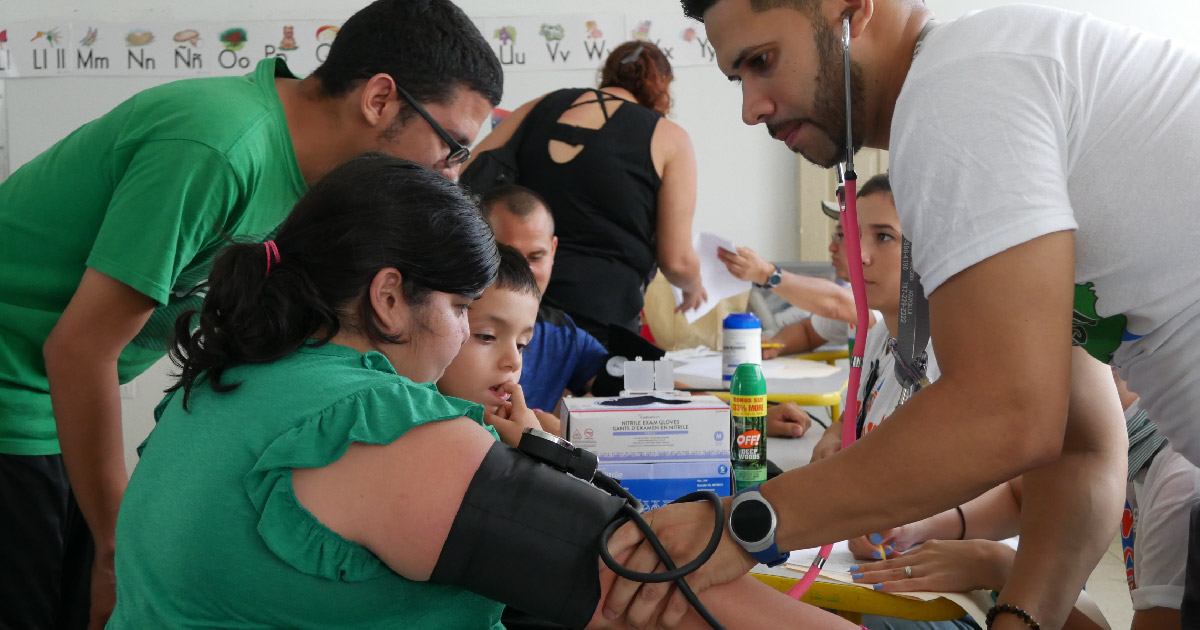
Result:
[{"x": 1100, "y": 336}]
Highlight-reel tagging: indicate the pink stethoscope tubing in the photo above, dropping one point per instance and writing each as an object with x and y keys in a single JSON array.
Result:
[{"x": 854, "y": 262}]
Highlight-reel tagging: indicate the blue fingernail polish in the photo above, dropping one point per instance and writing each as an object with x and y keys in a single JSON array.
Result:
[
  {"x": 857, "y": 576},
  {"x": 875, "y": 554},
  {"x": 854, "y": 568},
  {"x": 877, "y": 586},
  {"x": 875, "y": 539}
]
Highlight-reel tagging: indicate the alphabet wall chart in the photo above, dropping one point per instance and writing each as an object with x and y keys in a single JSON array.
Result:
[{"x": 185, "y": 49}]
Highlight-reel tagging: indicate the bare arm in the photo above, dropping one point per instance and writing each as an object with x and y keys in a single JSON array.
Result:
[
  {"x": 408, "y": 534},
  {"x": 1071, "y": 508},
  {"x": 676, "y": 208},
  {"x": 81, "y": 355},
  {"x": 815, "y": 295},
  {"x": 993, "y": 515},
  {"x": 818, "y": 296},
  {"x": 798, "y": 337},
  {"x": 1019, "y": 391}
]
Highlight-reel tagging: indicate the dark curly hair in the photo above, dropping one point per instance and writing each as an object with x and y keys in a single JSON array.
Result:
[
  {"x": 643, "y": 69},
  {"x": 371, "y": 213}
]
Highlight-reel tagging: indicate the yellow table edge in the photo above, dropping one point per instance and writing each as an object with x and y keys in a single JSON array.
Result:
[
  {"x": 844, "y": 598},
  {"x": 833, "y": 400},
  {"x": 829, "y": 356}
]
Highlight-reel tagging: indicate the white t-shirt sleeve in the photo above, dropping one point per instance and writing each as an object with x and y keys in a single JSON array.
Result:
[
  {"x": 980, "y": 152},
  {"x": 831, "y": 330},
  {"x": 836, "y": 331}
]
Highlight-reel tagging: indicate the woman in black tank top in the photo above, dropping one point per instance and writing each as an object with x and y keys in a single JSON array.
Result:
[{"x": 593, "y": 155}]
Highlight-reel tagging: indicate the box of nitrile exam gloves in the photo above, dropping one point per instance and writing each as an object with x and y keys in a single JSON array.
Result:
[
  {"x": 656, "y": 485},
  {"x": 649, "y": 429}
]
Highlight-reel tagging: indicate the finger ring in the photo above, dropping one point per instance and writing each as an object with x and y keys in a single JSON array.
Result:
[{"x": 908, "y": 571}]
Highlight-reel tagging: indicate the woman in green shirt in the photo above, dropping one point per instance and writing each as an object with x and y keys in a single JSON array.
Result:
[{"x": 304, "y": 471}]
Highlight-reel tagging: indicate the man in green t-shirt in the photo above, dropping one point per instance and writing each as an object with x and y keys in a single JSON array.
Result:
[{"x": 108, "y": 235}]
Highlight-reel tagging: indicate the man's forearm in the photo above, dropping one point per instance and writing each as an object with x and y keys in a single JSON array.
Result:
[
  {"x": 935, "y": 452},
  {"x": 1071, "y": 513},
  {"x": 818, "y": 296},
  {"x": 1071, "y": 507},
  {"x": 87, "y": 411}
]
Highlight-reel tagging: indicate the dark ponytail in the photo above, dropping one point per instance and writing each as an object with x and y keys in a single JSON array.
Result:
[
  {"x": 643, "y": 69},
  {"x": 371, "y": 213}
]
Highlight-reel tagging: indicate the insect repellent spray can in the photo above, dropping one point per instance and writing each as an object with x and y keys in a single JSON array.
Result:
[{"x": 748, "y": 411}]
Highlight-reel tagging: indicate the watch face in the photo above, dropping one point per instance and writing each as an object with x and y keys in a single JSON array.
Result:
[
  {"x": 751, "y": 521},
  {"x": 615, "y": 366}
]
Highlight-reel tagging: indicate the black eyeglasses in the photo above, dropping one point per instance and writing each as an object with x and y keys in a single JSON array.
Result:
[{"x": 458, "y": 153}]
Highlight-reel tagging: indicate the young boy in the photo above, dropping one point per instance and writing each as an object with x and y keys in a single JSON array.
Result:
[
  {"x": 488, "y": 367},
  {"x": 562, "y": 356}
]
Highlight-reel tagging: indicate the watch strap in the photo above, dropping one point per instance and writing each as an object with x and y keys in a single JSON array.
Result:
[
  {"x": 771, "y": 556},
  {"x": 773, "y": 280}
]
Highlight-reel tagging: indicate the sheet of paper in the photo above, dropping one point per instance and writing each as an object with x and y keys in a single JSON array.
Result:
[
  {"x": 719, "y": 284},
  {"x": 709, "y": 366},
  {"x": 705, "y": 367}
]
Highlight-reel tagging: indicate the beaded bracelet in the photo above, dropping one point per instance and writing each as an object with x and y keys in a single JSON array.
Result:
[
  {"x": 1010, "y": 608},
  {"x": 962, "y": 518}
]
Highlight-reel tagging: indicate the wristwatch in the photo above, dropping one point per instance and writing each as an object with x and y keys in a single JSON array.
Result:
[
  {"x": 752, "y": 522},
  {"x": 773, "y": 280}
]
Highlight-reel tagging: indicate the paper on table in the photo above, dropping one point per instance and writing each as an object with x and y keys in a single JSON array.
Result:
[
  {"x": 788, "y": 367},
  {"x": 709, "y": 366},
  {"x": 719, "y": 284}
]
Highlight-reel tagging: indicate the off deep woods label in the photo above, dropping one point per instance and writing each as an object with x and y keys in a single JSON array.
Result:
[{"x": 749, "y": 451}]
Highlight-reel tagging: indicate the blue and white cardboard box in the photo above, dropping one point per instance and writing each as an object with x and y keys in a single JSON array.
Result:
[
  {"x": 695, "y": 428},
  {"x": 656, "y": 485}
]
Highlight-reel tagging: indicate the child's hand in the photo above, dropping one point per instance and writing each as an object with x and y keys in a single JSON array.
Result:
[
  {"x": 550, "y": 422},
  {"x": 942, "y": 565},
  {"x": 787, "y": 420},
  {"x": 894, "y": 542},
  {"x": 830, "y": 442},
  {"x": 512, "y": 417}
]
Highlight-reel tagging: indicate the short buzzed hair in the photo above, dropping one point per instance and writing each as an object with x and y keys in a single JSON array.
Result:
[
  {"x": 695, "y": 8},
  {"x": 518, "y": 200}
]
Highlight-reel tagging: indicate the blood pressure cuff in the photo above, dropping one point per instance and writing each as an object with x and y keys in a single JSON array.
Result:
[{"x": 528, "y": 535}]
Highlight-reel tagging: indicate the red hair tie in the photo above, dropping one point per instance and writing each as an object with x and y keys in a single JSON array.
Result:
[{"x": 272, "y": 252}]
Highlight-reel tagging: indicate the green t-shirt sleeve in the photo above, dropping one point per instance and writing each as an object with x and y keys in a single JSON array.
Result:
[
  {"x": 375, "y": 415},
  {"x": 173, "y": 199}
]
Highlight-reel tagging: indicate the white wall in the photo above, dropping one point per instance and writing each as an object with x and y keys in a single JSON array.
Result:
[{"x": 740, "y": 167}]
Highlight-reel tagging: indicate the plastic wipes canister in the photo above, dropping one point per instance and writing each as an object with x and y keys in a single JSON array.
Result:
[
  {"x": 741, "y": 342},
  {"x": 748, "y": 415}
]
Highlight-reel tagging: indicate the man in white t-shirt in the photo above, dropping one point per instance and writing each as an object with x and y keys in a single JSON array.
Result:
[{"x": 1027, "y": 153}]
